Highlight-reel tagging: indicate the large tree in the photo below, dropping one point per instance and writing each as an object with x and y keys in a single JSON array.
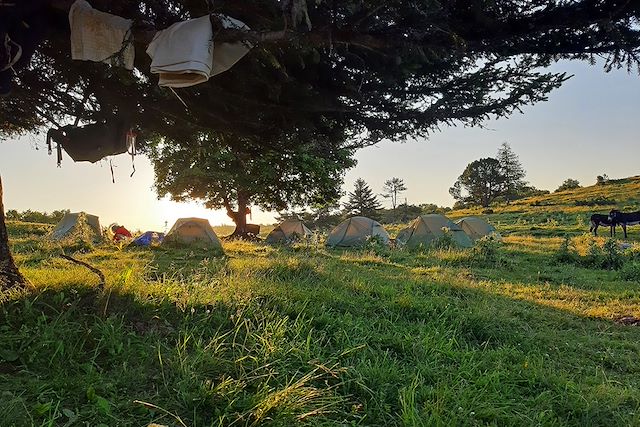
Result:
[
  {"x": 225, "y": 172},
  {"x": 362, "y": 201},
  {"x": 481, "y": 183},
  {"x": 377, "y": 69}
]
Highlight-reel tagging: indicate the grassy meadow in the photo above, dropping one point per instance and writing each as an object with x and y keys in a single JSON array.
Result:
[{"x": 526, "y": 331}]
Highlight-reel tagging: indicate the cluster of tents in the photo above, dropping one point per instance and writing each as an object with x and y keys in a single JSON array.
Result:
[
  {"x": 352, "y": 232},
  {"x": 184, "y": 231},
  {"x": 421, "y": 232}
]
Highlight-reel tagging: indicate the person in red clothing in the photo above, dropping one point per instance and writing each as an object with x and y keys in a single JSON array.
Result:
[{"x": 120, "y": 233}]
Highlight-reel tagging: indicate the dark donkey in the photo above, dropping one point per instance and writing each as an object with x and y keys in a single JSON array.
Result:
[
  {"x": 598, "y": 220},
  {"x": 624, "y": 219}
]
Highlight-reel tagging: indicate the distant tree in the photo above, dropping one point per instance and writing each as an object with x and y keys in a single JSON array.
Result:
[
  {"x": 36, "y": 216},
  {"x": 362, "y": 201},
  {"x": 481, "y": 183},
  {"x": 531, "y": 191},
  {"x": 568, "y": 184},
  {"x": 512, "y": 171},
  {"x": 12, "y": 215},
  {"x": 402, "y": 213},
  {"x": 431, "y": 208},
  {"x": 392, "y": 188},
  {"x": 602, "y": 179}
]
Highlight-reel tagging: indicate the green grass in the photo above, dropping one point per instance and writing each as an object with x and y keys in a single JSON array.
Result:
[{"x": 514, "y": 333}]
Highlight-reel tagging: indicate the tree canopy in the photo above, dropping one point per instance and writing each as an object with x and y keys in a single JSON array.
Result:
[
  {"x": 568, "y": 184},
  {"x": 379, "y": 69},
  {"x": 370, "y": 69},
  {"x": 481, "y": 183},
  {"x": 224, "y": 172}
]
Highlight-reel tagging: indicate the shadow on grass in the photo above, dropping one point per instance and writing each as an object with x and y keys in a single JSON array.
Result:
[{"x": 320, "y": 339}]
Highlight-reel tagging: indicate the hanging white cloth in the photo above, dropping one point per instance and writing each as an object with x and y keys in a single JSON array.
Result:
[
  {"x": 100, "y": 36},
  {"x": 184, "y": 54}
]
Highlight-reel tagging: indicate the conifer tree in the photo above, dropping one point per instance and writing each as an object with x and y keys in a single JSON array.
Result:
[
  {"x": 512, "y": 171},
  {"x": 362, "y": 201}
]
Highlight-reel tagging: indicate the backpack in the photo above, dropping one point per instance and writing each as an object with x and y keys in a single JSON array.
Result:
[{"x": 92, "y": 142}]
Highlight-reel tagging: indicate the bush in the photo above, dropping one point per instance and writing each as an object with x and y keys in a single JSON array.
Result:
[
  {"x": 630, "y": 272},
  {"x": 593, "y": 258},
  {"x": 487, "y": 251},
  {"x": 566, "y": 254},
  {"x": 608, "y": 256},
  {"x": 612, "y": 257},
  {"x": 568, "y": 184},
  {"x": 377, "y": 245},
  {"x": 445, "y": 241},
  {"x": 598, "y": 201}
]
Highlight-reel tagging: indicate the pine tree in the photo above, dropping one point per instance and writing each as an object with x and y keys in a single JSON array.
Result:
[
  {"x": 362, "y": 201},
  {"x": 512, "y": 171},
  {"x": 392, "y": 188}
]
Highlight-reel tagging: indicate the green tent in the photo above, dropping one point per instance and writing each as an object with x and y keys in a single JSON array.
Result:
[
  {"x": 75, "y": 225},
  {"x": 192, "y": 231},
  {"x": 355, "y": 232},
  {"x": 476, "y": 227},
  {"x": 426, "y": 229},
  {"x": 288, "y": 231}
]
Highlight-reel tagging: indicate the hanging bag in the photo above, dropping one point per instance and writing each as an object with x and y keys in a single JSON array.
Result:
[{"x": 93, "y": 142}]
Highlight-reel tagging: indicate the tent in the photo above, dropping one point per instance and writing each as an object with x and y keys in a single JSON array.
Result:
[
  {"x": 355, "y": 232},
  {"x": 476, "y": 227},
  {"x": 288, "y": 231},
  {"x": 192, "y": 231},
  {"x": 77, "y": 224},
  {"x": 426, "y": 229},
  {"x": 148, "y": 238}
]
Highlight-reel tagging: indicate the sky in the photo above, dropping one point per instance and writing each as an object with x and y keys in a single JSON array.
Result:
[{"x": 589, "y": 127}]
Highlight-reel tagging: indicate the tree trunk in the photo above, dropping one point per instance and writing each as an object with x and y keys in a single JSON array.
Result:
[
  {"x": 10, "y": 276},
  {"x": 239, "y": 218}
]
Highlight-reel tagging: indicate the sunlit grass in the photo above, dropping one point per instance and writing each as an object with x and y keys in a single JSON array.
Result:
[{"x": 505, "y": 333}]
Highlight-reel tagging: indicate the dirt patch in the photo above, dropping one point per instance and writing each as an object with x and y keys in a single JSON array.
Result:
[{"x": 628, "y": 320}]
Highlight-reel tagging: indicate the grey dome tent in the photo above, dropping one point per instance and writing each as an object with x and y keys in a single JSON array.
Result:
[
  {"x": 355, "y": 232},
  {"x": 192, "y": 231},
  {"x": 77, "y": 224},
  {"x": 288, "y": 231},
  {"x": 476, "y": 227},
  {"x": 426, "y": 229}
]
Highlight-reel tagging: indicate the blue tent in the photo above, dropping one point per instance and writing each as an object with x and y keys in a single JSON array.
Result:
[{"x": 149, "y": 238}]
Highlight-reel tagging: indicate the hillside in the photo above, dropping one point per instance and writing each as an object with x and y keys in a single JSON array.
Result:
[{"x": 566, "y": 212}]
